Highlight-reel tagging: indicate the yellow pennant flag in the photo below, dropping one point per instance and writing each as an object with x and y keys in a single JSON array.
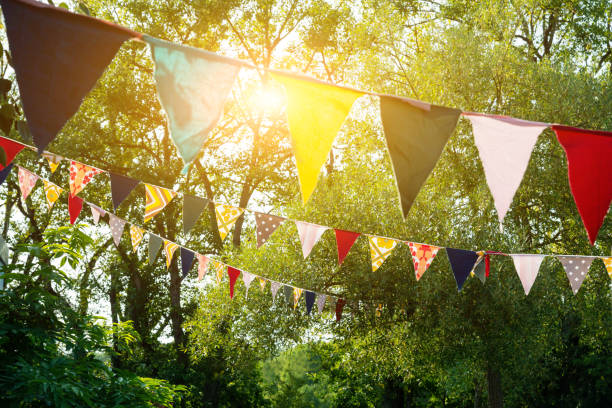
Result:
[
  {"x": 53, "y": 160},
  {"x": 262, "y": 284},
  {"x": 169, "y": 248},
  {"x": 380, "y": 249},
  {"x": 315, "y": 112},
  {"x": 226, "y": 217},
  {"x": 219, "y": 271},
  {"x": 297, "y": 293},
  {"x": 608, "y": 263},
  {"x": 52, "y": 192},
  {"x": 156, "y": 199},
  {"x": 136, "y": 234}
]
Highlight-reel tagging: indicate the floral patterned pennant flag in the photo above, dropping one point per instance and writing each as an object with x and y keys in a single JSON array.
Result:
[
  {"x": 27, "y": 181},
  {"x": 52, "y": 192},
  {"x": 226, "y": 217},
  {"x": 80, "y": 175},
  {"x": 219, "y": 271},
  {"x": 380, "y": 249},
  {"x": 169, "y": 249},
  {"x": 156, "y": 199},
  {"x": 136, "y": 235},
  {"x": 422, "y": 256},
  {"x": 203, "y": 261}
]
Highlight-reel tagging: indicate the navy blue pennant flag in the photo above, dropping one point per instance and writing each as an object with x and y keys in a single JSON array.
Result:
[
  {"x": 310, "y": 299},
  {"x": 58, "y": 57},
  {"x": 5, "y": 172},
  {"x": 192, "y": 208},
  {"x": 121, "y": 187},
  {"x": 186, "y": 260},
  {"x": 462, "y": 262}
]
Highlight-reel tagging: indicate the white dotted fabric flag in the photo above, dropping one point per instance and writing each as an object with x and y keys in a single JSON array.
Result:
[{"x": 576, "y": 268}]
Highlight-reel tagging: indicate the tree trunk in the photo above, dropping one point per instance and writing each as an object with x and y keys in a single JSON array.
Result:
[
  {"x": 176, "y": 316},
  {"x": 494, "y": 388}
]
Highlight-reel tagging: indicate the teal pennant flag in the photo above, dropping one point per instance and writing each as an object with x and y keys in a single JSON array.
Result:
[{"x": 192, "y": 86}]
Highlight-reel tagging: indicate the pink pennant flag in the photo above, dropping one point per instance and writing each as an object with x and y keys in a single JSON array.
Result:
[
  {"x": 309, "y": 235},
  {"x": 27, "y": 181},
  {"x": 505, "y": 146},
  {"x": 203, "y": 261},
  {"x": 527, "y": 267},
  {"x": 96, "y": 213},
  {"x": 247, "y": 278}
]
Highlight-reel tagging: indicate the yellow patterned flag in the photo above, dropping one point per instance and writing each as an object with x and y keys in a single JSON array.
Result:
[
  {"x": 380, "y": 249},
  {"x": 136, "y": 234},
  {"x": 315, "y": 112},
  {"x": 53, "y": 160},
  {"x": 608, "y": 263},
  {"x": 52, "y": 192},
  {"x": 262, "y": 284},
  {"x": 169, "y": 248},
  {"x": 219, "y": 271},
  {"x": 226, "y": 217},
  {"x": 156, "y": 199},
  {"x": 297, "y": 293}
]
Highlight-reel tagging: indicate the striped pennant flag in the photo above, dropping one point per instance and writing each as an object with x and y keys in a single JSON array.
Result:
[
  {"x": 169, "y": 249},
  {"x": 156, "y": 199}
]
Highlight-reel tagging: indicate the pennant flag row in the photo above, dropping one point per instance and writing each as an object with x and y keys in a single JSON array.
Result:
[{"x": 193, "y": 86}]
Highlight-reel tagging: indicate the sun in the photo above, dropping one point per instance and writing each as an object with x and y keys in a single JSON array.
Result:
[{"x": 267, "y": 99}]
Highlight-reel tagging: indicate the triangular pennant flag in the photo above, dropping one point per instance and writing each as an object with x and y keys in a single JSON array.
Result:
[
  {"x": 462, "y": 262},
  {"x": 297, "y": 293},
  {"x": 422, "y": 257},
  {"x": 589, "y": 168},
  {"x": 262, "y": 283},
  {"x": 339, "y": 307},
  {"x": 52, "y": 192},
  {"x": 380, "y": 249},
  {"x": 344, "y": 242},
  {"x": 288, "y": 292},
  {"x": 576, "y": 268},
  {"x": 75, "y": 205},
  {"x": 155, "y": 242},
  {"x": 58, "y": 56},
  {"x": 136, "y": 235},
  {"x": 479, "y": 269},
  {"x": 27, "y": 181},
  {"x": 505, "y": 146},
  {"x": 315, "y": 112},
  {"x": 121, "y": 187},
  {"x": 53, "y": 160},
  {"x": 203, "y": 261},
  {"x": 416, "y": 136},
  {"x": 527, "y": 267},
  {"x": 186, "y": 260},
  {"x": 169, "y": 249},
  {"x": 309, "y": 235},
  {"x": 96, "y": 213},
  {"x": 116, "y": 225},
  {"x": 192, "y": 85},
  {"x": 192, "y": 208},
  {"x": 233, "y": 274},
  {"x": 80, "y": 175},
  {"x": 265, "y": 225},
  {"x": 11, "y": 148},
  {"x": 219, "y": 271},
  {"x": 309, "y": 297},
  {"x": 247, "y": 278},
  {"x": 156, "y": 199},
  {"x": 608, "y": 263},
  {"x": 274, "y": 287},
  {"x": 5, "y": 172},
  {"x": 226, "y": 217},
  {"x": 321, "y": 302}
]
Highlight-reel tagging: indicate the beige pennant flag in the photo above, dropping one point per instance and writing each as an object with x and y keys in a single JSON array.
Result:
[
  {"x": 136, "y": 234},
  {"x": 52, "y": 192},
  {"x": 226, "y": 217},
  {"x": 380, "y": 249},
  {"x": 169, "y": 249}
]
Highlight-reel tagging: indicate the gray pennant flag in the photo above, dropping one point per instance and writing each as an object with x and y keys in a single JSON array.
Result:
[
  {"x": 288, "y": 291},
  {"x": 266, "y": 224},
  {"x": 155, "y": 243},
  {"x": 576, "y": 268},
  {"x": 116, "y": 225},
  {"x": 320, "y": 302},
  {"x": 192, "y": 208}
]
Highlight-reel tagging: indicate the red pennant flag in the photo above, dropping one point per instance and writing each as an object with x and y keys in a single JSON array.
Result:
[
  {"x": 11, "y": 148},
  {"x": 589, "y": 165},
  {"x": 233, "y": 274},
  {"x": 339, "y": 307},
  {"x": 75, "y": 205},
  {"x": 344, "y": 241}
]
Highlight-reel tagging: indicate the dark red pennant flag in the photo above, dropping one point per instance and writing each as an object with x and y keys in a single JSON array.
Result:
[
  {"x": 58, "y": 56},
  {"x": 344, "y": 241},
  {"x": 589, "y": 165},
  {"x": 339, "y": 307},
  {"x": 75, "y": 205},
  {"x": 233, "y": 274},
  {"x": 11, "y": 148}
]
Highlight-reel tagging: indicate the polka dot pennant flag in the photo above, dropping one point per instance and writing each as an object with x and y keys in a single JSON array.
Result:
[
  {"x": 156, "y": 199},
  {"x": 116, "y": 225},
  {"x": 52, "y": 192},
  {"x": 576, "y": 268},
  {"x": 226, "y": 217},
  {"x": 203, "y": 261},
  {"x": 380, "y": 249},
  {"x": 266, "y": 224},
  {"x": 422, "y": 256},
  {"x": 80, "y": 175},
  {"x": 169, "y": 249},
  {"x": 608, "y": 263},
  {"x": 136, "y": 235},
  {"x": 27, "y": 181}
]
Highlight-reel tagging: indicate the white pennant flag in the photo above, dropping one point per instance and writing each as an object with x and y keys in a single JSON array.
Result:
[
  {"x": 247, "y": 278},
  {"x": 96, "y": 213},
  {"x": 274, "y": 287},
  {"x": 505, "y": 146},
  {"x": 309, "y": 235},
  {"x": 527, "y": 267}
]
